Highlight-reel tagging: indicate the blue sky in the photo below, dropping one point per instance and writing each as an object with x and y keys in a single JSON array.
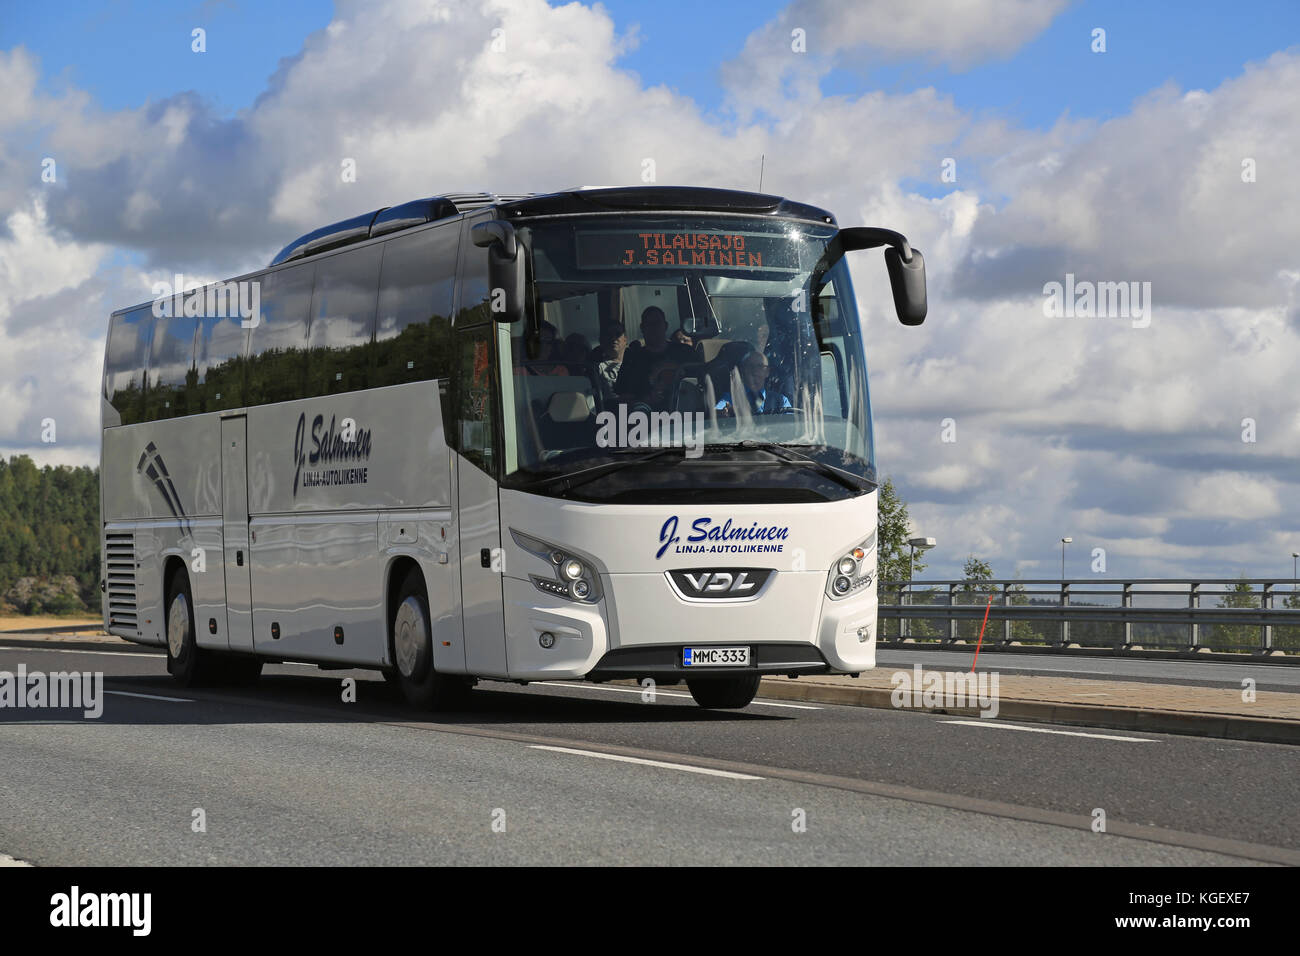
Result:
[{"x": 127, "y": 52}]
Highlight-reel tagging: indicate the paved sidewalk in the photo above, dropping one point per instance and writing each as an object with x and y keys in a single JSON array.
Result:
[{"x": 1128, "y": 705}]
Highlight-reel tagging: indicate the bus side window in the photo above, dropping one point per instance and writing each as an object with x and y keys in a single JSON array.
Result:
[
  {"x": 172, "y": 373},
  {"x": 475, "y": 391},
  {"x": 342, "y": 322},
  {"x": 277, "y": 350},
  {"x": 220, "y": 364},
  {"x": 126, "y": 363},
  {"x": 413, "y": 329},
  {"x": 833, "y": 393}
]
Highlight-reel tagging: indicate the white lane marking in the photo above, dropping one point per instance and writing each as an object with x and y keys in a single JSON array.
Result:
[
  {"x": 174, "y": 700},
  {"x": 663, "y": 693},
  {"x": 649, "y": 763},
  {"x": 64, "y": 650},
  {"x": 6, "y": 860},
  {"x": 1043, "y": 730}
]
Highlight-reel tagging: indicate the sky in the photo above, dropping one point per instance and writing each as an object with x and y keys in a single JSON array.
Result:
[{"x": 997, "y": 134}]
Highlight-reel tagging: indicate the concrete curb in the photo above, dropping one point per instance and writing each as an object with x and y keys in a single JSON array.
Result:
[{"x": 1226, "y": 726}]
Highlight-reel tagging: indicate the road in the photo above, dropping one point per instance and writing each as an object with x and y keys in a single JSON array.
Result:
[{"x": 285, "y": 772}]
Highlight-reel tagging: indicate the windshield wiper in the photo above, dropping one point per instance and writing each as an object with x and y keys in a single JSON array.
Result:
[
  {"x": 845, "y": 478},
  {"x": 572, "y": 480}
]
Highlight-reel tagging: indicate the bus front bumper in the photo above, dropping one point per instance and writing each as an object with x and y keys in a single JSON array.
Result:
[{"x": 650, "y": 629}]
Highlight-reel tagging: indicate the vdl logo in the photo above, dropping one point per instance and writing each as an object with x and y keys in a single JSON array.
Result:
[{"x": 720, "y": 583}]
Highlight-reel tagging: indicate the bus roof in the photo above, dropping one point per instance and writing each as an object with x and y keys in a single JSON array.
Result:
[{"x": 566, "y": 202}]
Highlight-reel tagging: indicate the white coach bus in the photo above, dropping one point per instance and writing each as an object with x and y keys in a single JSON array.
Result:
[{"x": 432, "y": 451}]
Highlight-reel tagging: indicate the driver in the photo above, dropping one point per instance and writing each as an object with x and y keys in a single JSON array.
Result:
[{"x": 758, "y": 398}]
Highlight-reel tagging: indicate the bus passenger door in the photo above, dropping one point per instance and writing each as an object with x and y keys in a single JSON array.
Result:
[
  {"x": 478, "y": 510},
  {"x": 234, "y": 532}
]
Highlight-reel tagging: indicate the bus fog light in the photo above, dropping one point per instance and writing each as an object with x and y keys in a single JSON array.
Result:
[
  {"x": 580, "y": 589},
  {"x": 572, "y": 569},
  {"x": 847, "y": 565},
  {"x": 864, "y": 634},
  {"x": 546, "y": 639},
  {"x": 842, "y": 585}
]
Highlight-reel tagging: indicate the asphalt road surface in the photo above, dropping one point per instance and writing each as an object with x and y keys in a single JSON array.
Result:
[{"x": 286, "y": 772}]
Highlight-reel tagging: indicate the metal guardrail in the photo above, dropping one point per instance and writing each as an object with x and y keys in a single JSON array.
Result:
[{"x": 1043, "y": 611}]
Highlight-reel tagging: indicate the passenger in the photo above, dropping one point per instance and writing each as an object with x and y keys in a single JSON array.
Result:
[
  {"x": 663, "y": 376},
  {"x": 575, "y": 352},
  {"x": 609, "y": 356},
  {"x": 760, "y": 399},
  {"x": 634, "y": 376},
  {"x": 546, "y": 362}
]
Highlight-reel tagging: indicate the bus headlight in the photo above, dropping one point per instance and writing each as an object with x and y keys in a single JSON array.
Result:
[
  {"x": 853, "y": 571},
  {"x": 575, "y": 578}
]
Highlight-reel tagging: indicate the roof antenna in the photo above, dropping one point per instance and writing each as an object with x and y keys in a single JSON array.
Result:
[{"x": 762, "y": 160}]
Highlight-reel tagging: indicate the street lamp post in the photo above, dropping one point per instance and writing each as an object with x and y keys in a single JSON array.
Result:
[
  {"x": 913, "y": 544},
  {"x": 1065, "y": 594}
]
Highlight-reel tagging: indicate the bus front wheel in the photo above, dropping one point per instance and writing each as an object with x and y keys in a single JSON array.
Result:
[
  {"x": 412, "y": 652},
  {"x": 723, "y": 693}
]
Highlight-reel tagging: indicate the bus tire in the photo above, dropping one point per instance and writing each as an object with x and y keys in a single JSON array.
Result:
[
  {"x": 189, "y": 665},
  {"x": 410, "y": 639},
  {"x": 723, "y": 693}
]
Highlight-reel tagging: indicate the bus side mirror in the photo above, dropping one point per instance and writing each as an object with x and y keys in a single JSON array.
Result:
[
  {"x": 907, "y": 279},
  {"x": 505, "y": 269},
  {"x": 906, "y": 266}
]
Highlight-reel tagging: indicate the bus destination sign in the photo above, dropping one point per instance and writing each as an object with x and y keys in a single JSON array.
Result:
[{"x": 691, "y": 250}]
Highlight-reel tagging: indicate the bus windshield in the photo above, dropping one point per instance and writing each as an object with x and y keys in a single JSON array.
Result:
[{"x": 726, "y": 337}]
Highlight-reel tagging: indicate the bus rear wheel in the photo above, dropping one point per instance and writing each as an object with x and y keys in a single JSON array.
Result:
[
  {"x": 411, "y": 643},
  {"x": 723, "y": 693}
]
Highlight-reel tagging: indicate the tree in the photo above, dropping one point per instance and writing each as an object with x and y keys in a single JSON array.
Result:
[
  {"x": 1246, "y": 635},
  {"x": 975, "y": 591},
  {"x": 893, "y": 527},
  {"x": 49, "y": 528},
  {"x": 1288, "y": 638},
  {"x": 1022, "y": 630}
]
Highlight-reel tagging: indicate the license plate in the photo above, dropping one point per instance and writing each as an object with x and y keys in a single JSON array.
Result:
[{"x": 715, "y": 656}]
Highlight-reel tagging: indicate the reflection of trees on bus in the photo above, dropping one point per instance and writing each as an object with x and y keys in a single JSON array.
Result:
[{"x": 419, "y": 352}]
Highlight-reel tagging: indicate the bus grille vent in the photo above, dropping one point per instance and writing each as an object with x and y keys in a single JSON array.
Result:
[{"x": 119, "y": 556}]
